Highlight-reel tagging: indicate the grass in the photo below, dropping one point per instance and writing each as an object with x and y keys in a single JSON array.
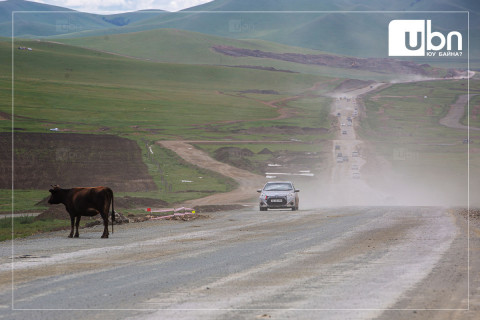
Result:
[
  {"x": 24, "y": 200},
  {"x": 402, "y": 114},
  {"x": 79, "y": 90},
  {"x": 26, "y": 226}
]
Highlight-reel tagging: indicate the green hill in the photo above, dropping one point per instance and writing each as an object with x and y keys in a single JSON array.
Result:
[
  {"x": 83, "y": 91},
  {"x": 32, "y": 19},
  {"x": 347, "y": 27},
  {"x": 185, "y": 47}
]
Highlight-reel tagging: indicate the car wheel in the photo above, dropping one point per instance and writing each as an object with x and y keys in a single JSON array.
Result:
[
  {"x": 295, "y": 208},
  {"x": 263, "y": 209}
]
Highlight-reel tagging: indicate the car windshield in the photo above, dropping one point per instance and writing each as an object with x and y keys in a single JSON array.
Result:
[{"x": 278, "y": 187}]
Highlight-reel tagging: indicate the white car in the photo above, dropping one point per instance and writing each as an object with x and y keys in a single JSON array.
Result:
[{"x": 278, "y": 195}]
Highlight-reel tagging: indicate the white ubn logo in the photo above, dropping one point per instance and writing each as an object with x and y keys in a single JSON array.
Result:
[{"x": 414, "y": 38}]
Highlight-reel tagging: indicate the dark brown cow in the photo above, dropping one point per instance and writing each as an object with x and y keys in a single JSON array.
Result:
[{"x": 84, "y": 202}]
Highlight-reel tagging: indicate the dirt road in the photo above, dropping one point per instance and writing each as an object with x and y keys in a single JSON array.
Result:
[
  {"x": 350, "y": 263},
  {"x": 456, "y": 113},
  {"x": 346, "y": 185},
  {"x": 247, "y": 181}
]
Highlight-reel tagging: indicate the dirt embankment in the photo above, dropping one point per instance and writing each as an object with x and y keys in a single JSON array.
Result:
[
  {"x": 73, "y": 160},
  {"x": 380, "y": 65}
]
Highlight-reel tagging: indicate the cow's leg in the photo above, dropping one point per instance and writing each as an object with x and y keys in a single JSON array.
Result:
[
  {"x": 72, "y": 220},
  {"x": 105, "y": 225},
  {"x": 77, "y": 223}
]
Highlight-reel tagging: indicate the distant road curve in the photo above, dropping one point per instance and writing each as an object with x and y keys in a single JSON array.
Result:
[{"x": 456, "y": 112}]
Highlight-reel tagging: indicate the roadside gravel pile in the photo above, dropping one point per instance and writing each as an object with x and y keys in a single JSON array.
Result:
[{"x": 474, "y": 215}]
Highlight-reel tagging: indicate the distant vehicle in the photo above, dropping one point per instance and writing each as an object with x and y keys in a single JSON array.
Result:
[
  {"x": 339, "y": 159},
  {"x": 355, "y": 154},
  {"x": 339, "y": 114},
  {"x": 339, "y": 155},
  {"x": 354, "y": 167},
  {"x": 345, "y": 158},
  {"x": 344, "y": 132},
  {"x": 342, "y": 124},
  {"x": 356, "y": 175},
  {"x": 350, "y": 124},
  {"x": 467, "y": 141},
  {"x": 337, "y": 147},
  {"x": 349, "y": 119},
  {"x": 279, "y": 195}
]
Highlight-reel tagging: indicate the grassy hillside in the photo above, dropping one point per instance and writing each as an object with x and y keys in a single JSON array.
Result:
[
  {"x": 348, "y": 31},
  {"x": 185, "y": 47},
  {"x": 78, "y": 90},
  {"x": 84, "y": 90},
  {"x": 346, "y": 27},
  {"x": 33, "y": 19}
]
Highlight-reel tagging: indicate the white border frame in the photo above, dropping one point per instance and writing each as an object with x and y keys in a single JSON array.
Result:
[{"x": 235, "y": 309}]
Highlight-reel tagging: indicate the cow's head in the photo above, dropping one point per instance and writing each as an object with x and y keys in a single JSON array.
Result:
[{"x": 56, "y": 196}]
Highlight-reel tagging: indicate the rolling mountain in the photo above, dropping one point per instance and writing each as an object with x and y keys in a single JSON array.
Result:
[
  {"x": 34, "y": 19},
  {"x": 347, "y": 27}
]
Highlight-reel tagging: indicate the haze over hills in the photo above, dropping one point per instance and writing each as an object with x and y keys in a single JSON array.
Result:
[
  {"x": 33, "y": 19},
  {"x": 362, "y": 31}
]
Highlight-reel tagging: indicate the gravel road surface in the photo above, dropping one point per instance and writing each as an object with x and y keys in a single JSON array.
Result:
[{"x": 329, "y": 263}]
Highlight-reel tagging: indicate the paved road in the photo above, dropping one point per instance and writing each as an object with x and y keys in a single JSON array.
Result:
[{"x": 321, "y": 263}]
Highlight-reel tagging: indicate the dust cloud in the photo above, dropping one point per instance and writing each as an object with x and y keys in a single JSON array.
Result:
[{"x": 357, "y": 175}]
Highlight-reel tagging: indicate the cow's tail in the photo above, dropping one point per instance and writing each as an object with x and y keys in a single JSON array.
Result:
[{"x": 113, "y": 210}]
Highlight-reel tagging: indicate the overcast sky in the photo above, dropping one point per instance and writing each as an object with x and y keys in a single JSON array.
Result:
[{"x": 95, "y": 6}]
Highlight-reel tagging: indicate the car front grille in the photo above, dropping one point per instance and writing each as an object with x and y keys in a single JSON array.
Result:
[{"x": 276, "y": 201}]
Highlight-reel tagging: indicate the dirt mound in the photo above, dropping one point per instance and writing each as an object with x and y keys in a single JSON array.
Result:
[
  {"x": 260, "y": 91},
  {"x": 57, "y": 211},
  {"x": 5, "y": 116},
  {"x": 236, "y": 157},
  {"x": 265, "y": 151},
  {"x": 474, "y": 214},
  {"x": 352, "y": 84},
  {"x": 380, "y": 65},
  {"x": 73, "y": 160},
  {"x": 229, "y": 152},
  {"x": 264, "y": 68}
]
